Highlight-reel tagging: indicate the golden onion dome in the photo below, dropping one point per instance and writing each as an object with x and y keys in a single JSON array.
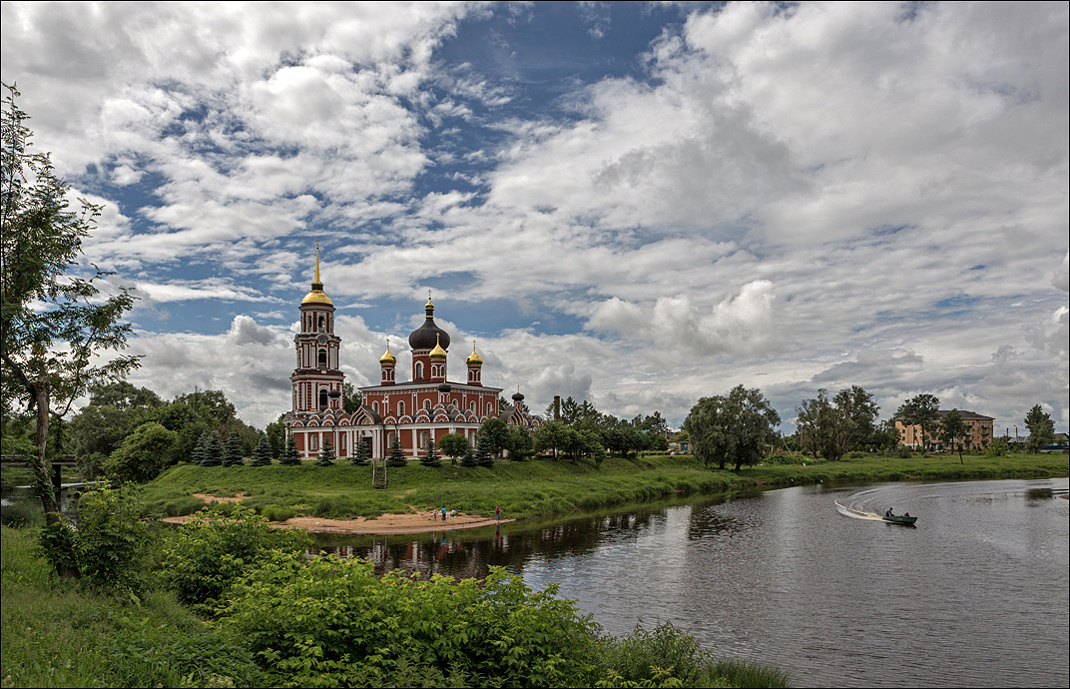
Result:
[
  {"x": 316, "y": 296},
  {"x": 387, "y": 359},
  {"x": 438, "y": 353},
  {"x": 473, "y": 358}
]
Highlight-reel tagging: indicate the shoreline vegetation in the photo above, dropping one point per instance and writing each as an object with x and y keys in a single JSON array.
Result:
[{"x": 340, "y": 498}]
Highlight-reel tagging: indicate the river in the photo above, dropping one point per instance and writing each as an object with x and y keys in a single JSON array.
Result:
[{"x": 810, "y": 579}]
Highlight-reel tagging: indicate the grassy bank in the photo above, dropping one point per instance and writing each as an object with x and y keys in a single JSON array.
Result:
[
  {"x": 64, "y": 633},
  {"x": 544, "y": 487}
]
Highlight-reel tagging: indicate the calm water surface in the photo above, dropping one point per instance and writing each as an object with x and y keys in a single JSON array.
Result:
[{"x": 810, "y": 579}]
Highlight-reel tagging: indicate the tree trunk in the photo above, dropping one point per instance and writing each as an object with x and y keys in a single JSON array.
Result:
[{"x": 42, "y": 466}]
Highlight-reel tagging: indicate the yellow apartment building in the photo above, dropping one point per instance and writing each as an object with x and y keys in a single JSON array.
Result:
[{"x": 979, "y": 430}]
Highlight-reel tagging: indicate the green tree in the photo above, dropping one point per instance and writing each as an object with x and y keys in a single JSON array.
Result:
[
  {"x": 733, "y": 428},
  {"x": 361, "y": 456},
  {"x": 921, "y": 411},
  {"x": 953, "y": 431},
  {"x": 290, "y": 457},
  {"x": 276, "y": 435},
  {"x": 1041, "y": 429},
  {"x": 351, "y": 398},
  {"x": 213, "y": 451},
  {"x": 326, "y": 457},
  {"x": 143, "y": 455},
  {"x": 832, "y": 428},
  {"x": 454, "y": 446},
  {"x": 232, "y": 452},
  {"x": 262, "y": 453},
  {"x": 430, "y": 458},
  {"x": 55, "y": 326},
  {"x": 518, "y": 443},
  {"x": 396, "y": 457},
  {"x": 551, "y": 437},
  {"x": 482, "y": 456},
  {"x": 495, "y": 434}
]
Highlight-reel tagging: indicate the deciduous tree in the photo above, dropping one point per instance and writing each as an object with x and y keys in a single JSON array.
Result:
[
  {"x": 731, "y": 429},
  {"x": 921, "y": 411},
  {"x": 1041, "y": 429},
  {"x": 55, "y": 324},
  {"x": 953, "y": 431}
]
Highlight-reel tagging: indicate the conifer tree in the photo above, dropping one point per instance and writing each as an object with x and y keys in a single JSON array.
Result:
[
  {"x": 232, "y": 454},
  {"x": 360, "y": 458},
  {"x": 397, "y": 455},
  {"x": 290, "y": 456},
  {"x": 262, "y": 453},
  {"x": 483, "y": 457},
  {"x": 326, "y": 457},
  {"x": 213, "y": 451},
  {"x": 430, "y": 458},
  {"x": 469, "y": 460},
  {"x": 200, "y": 452}
]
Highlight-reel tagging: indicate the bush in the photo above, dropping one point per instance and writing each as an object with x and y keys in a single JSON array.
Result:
[
  {"x": 143, "y": 455},
  {"x": 331, "y": 622},
  {"x": 217, "y": 546},
  {"x": 105, "y": 549},
  {"x": 652, "y": 658}
]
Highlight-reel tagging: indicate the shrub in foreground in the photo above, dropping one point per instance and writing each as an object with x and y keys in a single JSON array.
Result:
[
  {"x": 332, "y": 622},
  {"x": 217, "y": 546}
]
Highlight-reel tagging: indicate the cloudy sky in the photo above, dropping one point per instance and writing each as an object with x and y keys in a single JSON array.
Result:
[{"x": 638, "y": 204}]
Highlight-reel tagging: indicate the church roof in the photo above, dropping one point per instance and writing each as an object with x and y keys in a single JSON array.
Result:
[{"x": 428, "y": 335}]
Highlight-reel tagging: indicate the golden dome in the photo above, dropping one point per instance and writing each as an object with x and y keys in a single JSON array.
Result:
[
  {"x": 316, "y": 296},
  {"x": 473, "y": 358},
  {"x": 438, "y": 353},
  {"x": 387, "y": 359}
]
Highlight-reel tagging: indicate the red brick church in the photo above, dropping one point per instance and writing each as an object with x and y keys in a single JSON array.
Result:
[{"x": 428, "y": 405}]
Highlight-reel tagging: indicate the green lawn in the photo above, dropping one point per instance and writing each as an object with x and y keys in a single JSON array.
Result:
[{"x": 544, "y": 487}]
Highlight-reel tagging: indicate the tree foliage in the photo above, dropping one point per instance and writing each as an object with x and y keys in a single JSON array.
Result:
[
  {"x": 430, "y": 458},
  {"x": 731, "y": 429},
  {"x": 921, "y": 411},
  {"x": 55, "y": 324},
  {"x": 143, "y": 454},
  {"x": 262, "y": 453},
  {"x": 1041, "y": 429},
  {"x": 832, "y": 428},
  {"x": 396, "y": 458},
  {"x": 454, "y": 446},
  {"x": 953, "y": 432}
]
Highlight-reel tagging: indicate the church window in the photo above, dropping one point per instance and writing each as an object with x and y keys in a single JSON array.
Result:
[
  {"x": 313, "y": 442},
  {"x": 323, "y": 358},
  {"x": 472, "y": 406},
  {"x": 375, "y": 407},
  {"x": 319, "y": 326},
  {"x": 427, "y": 405},
  {"x": 323, "y": 398},
  {"x": 419, "y": 369},
  {"x": 401, "y": 408},
  {"x": 425, "y": 439}
]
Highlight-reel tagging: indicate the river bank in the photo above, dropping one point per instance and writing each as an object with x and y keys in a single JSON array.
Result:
[{"x": 538, "y": 488}]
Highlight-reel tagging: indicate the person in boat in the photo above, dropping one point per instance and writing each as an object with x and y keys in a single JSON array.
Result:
[
  {"x": 906, "y": 514},
  {"x": 889, "y": 513}
]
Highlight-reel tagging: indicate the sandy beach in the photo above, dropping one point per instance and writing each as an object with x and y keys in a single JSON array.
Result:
[{"x": 419, "y": 522}]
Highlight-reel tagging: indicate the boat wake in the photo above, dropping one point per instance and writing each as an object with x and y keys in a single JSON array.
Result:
[{"x": 854, "y": 506}]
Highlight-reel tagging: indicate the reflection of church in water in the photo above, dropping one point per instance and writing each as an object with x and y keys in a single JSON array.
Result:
[{"x": 427, "y": 406}]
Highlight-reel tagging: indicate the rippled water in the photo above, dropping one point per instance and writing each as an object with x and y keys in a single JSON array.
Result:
[{"x": 977, "y": 594}]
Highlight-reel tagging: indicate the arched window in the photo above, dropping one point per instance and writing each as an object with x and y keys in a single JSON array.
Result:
[
  {"x": 323, "y": 358},
  {"x": 375, "y": 407},
  {"x": 323, "y": 398},
  {"x": 401, "y": 409},
  {"x": 319, "y": 325},
  {"x": 419, "y": 370},
  {"x": 427, "y": 405},
  {"x": 425, "y": 438}
]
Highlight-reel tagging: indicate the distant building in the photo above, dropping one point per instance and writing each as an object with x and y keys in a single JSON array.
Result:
[
  {"x": 415, "y": 411},
  {"x": 978, "y": 431}
]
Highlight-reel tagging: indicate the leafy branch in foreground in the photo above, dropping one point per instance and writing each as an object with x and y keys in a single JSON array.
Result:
[{"x": 54, "y": 322}]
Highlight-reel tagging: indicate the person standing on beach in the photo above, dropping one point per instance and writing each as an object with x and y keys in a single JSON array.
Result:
[
  {"x": 443, "y": 513},
  {"x": 497, "y": 513}
]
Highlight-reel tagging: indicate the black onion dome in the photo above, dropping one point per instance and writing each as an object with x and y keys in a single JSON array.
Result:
[
  {"x": 429, "y": 334},
  {"x": 517, "y": 397}
]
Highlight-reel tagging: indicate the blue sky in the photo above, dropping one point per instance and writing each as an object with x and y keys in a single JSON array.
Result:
[{"x": 639, "y": 204}]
